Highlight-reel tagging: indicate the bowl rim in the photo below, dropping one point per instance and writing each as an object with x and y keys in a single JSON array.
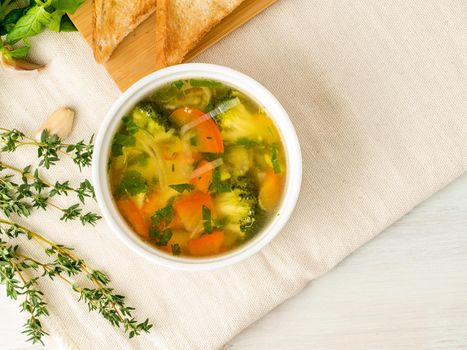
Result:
[{"x": 186, "y": 71}]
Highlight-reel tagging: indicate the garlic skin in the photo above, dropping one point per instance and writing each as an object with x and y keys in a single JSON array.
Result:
[
  {"x": 58, "y": 123},
  {"x": 18, "y": 64}
]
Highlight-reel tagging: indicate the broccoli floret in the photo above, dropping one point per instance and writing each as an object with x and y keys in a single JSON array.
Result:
[
  {"x": 237, "y": 123},
  {"x": 239, "y": 160},
  {"x": 146, "y": 115},
  {"x": 239, "y": 206}
]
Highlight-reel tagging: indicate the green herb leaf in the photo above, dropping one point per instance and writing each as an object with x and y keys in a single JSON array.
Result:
[
  {"x": 32, "y": 190},
  {"x": 180, "y": 188},
  {"x": 130, "y": 125},
  {"x": 217, "y": 185},
  {"x": 132, "y": 184},
  {"x": 160, "y": 238},
  {"x": 69, "y": 6},
  {"x": 176, "y": 250},
  {"x": 163, "y": 216},
  {"x": 178, "y": 84},
  {"x": 56, "y": 21},
  {"x": 89, "y": 218},
  {"x": 32, "y": 23},
  {"x": 20, "y": 52},
  {"x": 275, "y": 159},
  {"x": 165, "y": 237},
  {"x": 66, "y": 25},
  {"x": 9, "y": 21},
  {"x": 207, "y": 220},
  {"x": 122, "y": 140},
  {"x": 205, "y": 83}
]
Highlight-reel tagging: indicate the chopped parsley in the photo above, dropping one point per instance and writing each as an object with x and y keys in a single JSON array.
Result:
[
  {"x": 207, "y": 220},
  {"x": 133, "y": 183},
  {"x": 130, "y": 125},
  {"x": 178, "y": 84},
  {"x": 163, "y": 216},
  {"x": 275, "y": 159},
  {"x": 160, "y": 238},
  {"x": 176, "y": 250},
  {"x": 121, "y": 140},
  {"x": 217, "y": 185},
  {"x": 180, "y": 188}
]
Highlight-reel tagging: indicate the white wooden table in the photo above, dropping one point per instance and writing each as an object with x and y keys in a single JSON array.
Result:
[{"x": 406, "y": 289}]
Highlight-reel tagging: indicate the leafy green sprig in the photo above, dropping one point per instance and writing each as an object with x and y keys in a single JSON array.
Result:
[
  {"x": 22, "y": 19},
  {"x": 63, "y": 265},
  {"x": 14, "y": 277},
  {"x": 34, "y": 192},
  {"x": 48, "y": 148},
  {"x": 18, "y": 198}
]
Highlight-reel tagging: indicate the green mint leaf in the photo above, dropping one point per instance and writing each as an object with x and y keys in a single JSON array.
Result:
[
  {"x": 9, "y": 21},
  {"x": 32, "y": 23},
  {"x": 55, "y": 23},
  {"x": 132, "y": 184},
  {"x": 19, "y": 52},
  {"x": 69, "y": 6},
  {"x": 275, "y": 159},
  {"x": 67, "y": 25},
  {"x": 180, "y": 188}
]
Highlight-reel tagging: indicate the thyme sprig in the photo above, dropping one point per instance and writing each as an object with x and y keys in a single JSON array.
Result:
[
  {"x": 35, "y": 192},
  {"x": 21, "y": 191},
  {"x": 63, "y": 265},
  {"x": 48, "y": 148}
]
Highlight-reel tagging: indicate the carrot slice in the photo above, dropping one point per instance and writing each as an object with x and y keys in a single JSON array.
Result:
[
  {"x": 133, "y": 216},
  {"x": 270, "y": 192},
  {"x": 189, "y": 209},
  {"x": 207, "y": 244},
  {"x": 203, "y": 181},
  {"x": 208, "y": 137}
]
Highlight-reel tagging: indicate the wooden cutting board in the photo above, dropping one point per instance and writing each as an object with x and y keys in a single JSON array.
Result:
[{"x": 135, "y": 56}]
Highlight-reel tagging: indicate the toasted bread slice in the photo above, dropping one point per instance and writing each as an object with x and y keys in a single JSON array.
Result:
[
  {"x": 114, "y": 20},
  {"x": 187, "y": 22},
  {"x": 161, "y": 33}
]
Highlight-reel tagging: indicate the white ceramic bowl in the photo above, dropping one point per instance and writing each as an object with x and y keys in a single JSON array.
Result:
[{"x": 147, "y": 85}]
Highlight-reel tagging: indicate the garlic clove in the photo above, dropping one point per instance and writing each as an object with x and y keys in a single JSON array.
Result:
[
  {"x": 58, "y": 123},
  {"x": 18, "y": 64}
]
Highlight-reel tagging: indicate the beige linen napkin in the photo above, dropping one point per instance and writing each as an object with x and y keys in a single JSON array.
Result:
[{"x": 377, "y": 91}]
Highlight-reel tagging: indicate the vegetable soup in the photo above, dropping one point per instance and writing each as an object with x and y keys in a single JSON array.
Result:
[{"x": 197, "y": 168}]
